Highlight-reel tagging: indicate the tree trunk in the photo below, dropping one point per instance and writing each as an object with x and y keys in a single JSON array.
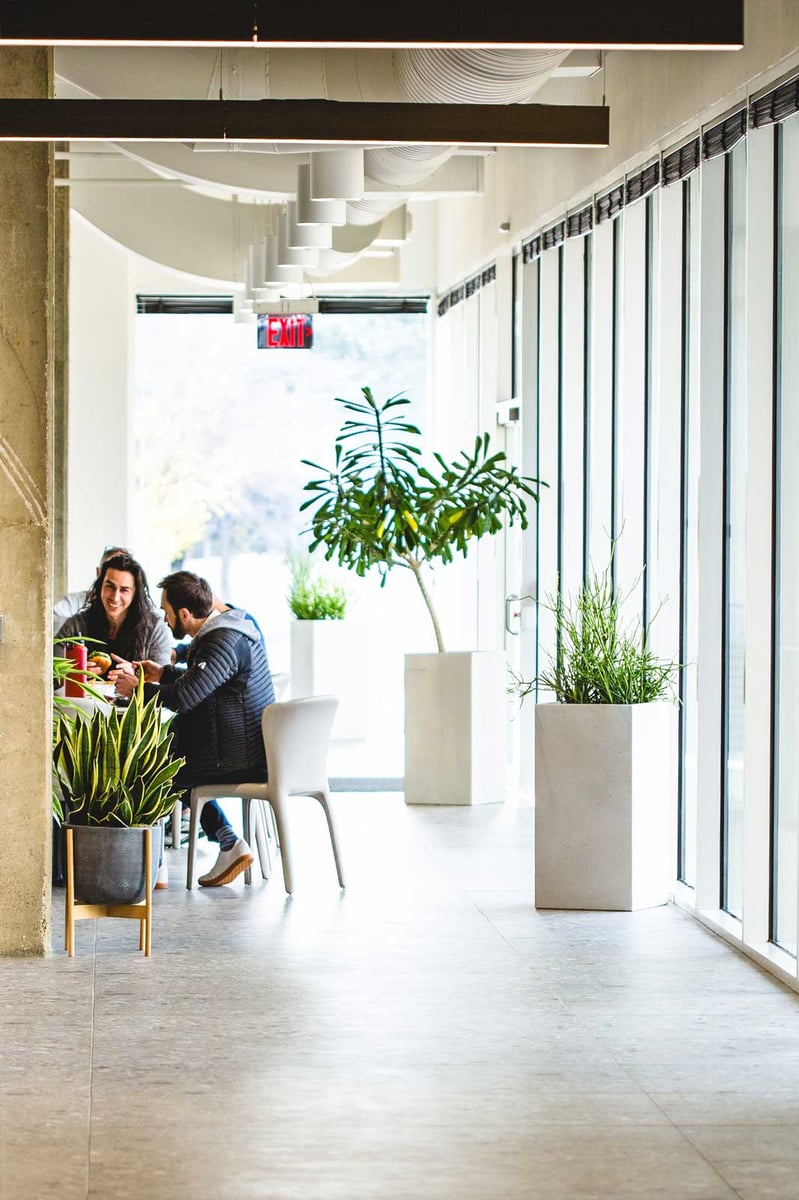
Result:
[{"x": 416, "y": 567}]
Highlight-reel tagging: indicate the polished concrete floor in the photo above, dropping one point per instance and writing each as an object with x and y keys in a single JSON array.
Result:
[{"x": 424, "y": 1035}]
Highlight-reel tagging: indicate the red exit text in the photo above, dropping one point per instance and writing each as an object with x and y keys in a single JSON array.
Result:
[{"x": 285, "y": 333}]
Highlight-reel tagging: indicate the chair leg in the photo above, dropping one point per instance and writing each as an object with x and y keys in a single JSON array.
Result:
[
  {"x": 261, "y": 840},
  {"x": 246, "y": 826},
  {"x": 281, "y": 821},
  {"x": 69, "y": 907},
  {"x": 177, "y": 817},
  {"x": 196, "y": 806},
  {"x": 324, "y": 800}
]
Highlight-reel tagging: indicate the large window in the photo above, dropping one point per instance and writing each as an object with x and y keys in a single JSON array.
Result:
[
  {"x": 689, "y": 535},
  {"x": 220, "y": 431},
  {"x": 735, "y": 457},
  {"x": 786, "y": 628}
]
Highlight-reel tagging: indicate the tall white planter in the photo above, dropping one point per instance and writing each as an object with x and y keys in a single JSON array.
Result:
[
  {"x": 455, "y": 728},
  {"x": 605, "y": 805},
  {"x": 327, "y": 658}
]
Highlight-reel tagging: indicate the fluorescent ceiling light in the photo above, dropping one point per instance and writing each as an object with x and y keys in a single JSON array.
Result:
[
  {"x": 331, "y": 122},
  {"x": 624, "y": 24}
]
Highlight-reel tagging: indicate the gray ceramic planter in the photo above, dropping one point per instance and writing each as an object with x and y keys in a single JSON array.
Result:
[{"x": 110, "y": 863}]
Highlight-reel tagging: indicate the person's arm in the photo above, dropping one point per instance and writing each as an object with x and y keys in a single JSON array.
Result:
[{"x": 214, "y": 662}]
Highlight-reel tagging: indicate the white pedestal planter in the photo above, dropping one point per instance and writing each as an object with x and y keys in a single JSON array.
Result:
[
  {"x": 604, "y": 805},
  {"x": 455, "y": 728},
  {"x": 327, "y": 658}
]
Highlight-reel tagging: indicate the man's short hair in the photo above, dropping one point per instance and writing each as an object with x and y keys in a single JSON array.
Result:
[{"x": 184, "y": 589}]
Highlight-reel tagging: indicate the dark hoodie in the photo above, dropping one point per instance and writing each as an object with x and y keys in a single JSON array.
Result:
[{"x": 219, "y": 698}]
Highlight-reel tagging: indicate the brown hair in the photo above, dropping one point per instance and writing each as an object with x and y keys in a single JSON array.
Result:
[{"x": 184, "y": 589}]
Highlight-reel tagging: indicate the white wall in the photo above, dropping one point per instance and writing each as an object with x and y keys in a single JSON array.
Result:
[{"x": 98, "y": 399}]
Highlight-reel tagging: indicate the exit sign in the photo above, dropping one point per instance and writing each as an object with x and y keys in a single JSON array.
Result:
[{"x": 278, "y": 332}]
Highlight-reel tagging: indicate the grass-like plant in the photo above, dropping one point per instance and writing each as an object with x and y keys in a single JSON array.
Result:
[
  {"x": 313, "y": 597},
  {"x": 598, "y": 660},
  {"x": 381, "y": 507},
  {"x": 114, "y": 768}
]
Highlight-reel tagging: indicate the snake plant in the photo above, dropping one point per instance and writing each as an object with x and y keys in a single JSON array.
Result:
[{"x": 115, "y": 767}]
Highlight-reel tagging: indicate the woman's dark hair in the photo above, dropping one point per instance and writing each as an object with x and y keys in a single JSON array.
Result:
[
  {"x": 184, "y": 589},
  {"x": 139, "y": 616}
]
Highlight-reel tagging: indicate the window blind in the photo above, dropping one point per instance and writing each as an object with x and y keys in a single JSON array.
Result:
[
  {"x": 531, "y": 250},
  {"x": 610, "y": 205},
  {"x": 184, "y": 305},
  {"x": 636, "y": 186},
  {"x": 580, "y": 222},
  {"x": 681, "y": 162},
  {"x": 776, "y": 105},
  {"x": 467, "y": 289},
  {"x": 722, "y": 137},
  {"x": 553, "y": 236}
]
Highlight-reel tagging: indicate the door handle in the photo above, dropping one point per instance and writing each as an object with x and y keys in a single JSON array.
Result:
[{"x": 512, "y": 614}]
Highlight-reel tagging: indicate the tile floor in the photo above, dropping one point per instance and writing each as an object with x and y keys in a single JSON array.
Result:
[{"x": 424, "y": 1035}]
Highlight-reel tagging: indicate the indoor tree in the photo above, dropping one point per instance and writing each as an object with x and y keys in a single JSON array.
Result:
[{"x": 380, "y": 506}]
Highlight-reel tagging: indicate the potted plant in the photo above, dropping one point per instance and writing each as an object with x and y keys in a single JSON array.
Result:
[
  {"x": 381, "y": 506},
  {"x": 112, "y": 777},
  {"x": 325, "y": 644},
  {"x": 605, "y": 754}
]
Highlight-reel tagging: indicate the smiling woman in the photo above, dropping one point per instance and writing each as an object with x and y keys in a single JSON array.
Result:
[{"x": 120, "y": 614}]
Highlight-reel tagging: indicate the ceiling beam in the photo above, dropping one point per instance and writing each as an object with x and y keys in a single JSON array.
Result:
[
  {"x": 622, "y": 24},
  {"x": 314, "y": 121}
]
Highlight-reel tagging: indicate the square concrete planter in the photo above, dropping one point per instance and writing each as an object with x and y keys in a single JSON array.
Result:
[
  {"x": 327, "y": 658},
  {"x": 455, "y": 735},
  {"x": 605, "y": 805}
]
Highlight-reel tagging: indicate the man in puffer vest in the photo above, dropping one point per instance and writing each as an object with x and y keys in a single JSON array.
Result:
[{"x": 219, "y": 697}]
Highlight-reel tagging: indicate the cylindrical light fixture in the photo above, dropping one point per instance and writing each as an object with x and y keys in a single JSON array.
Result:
[
  {"x": 337, "y": 174},
  {"x": 288, "y": 256},
  {"x": 254, "y": 269},
  {"x": 275, "y": 275},
  {"x": 319, "y": 237},
  {"x": 316, "y": 212}
]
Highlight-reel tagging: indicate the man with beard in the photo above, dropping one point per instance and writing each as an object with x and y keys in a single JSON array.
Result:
[{"x": 219, "y": 697}]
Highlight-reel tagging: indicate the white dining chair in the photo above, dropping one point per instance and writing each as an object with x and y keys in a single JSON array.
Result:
[
  {"x": 251, "y": 819},
  {"x": 280, "y": 683},
  {"x": 296, "y": 739}
]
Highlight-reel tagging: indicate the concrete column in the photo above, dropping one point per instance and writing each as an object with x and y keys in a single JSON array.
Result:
[
  {"x": 26, "y": 451},
  {"x": 61, "y": 379}
]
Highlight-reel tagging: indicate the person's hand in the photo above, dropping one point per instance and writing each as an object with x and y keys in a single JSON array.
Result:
[
  {"x": 152, "y": 670},
  {"x": 124, "y": 676}
]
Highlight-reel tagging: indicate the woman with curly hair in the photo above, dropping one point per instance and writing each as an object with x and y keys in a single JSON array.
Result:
[{"x": 120, "y": 615}]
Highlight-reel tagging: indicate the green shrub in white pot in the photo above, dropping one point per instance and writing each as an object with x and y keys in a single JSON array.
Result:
[
  {"x": 381, "y": 506},
  {"x": 326, "y": 645},
  {"x": 605, "y": 759}
]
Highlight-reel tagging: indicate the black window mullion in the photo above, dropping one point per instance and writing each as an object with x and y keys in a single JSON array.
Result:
[
  {"x": 537, "y": 466},
  {"x": 614, "y": 400},
  {"x": 685, "y": 566},
  {"x": 560, "y": 526},
  {"x": 648, "y": 305},
  {"x": 727, "y": 532},
  {"x": 587, "y": 309},
  {"x": 776, "y": 523}
]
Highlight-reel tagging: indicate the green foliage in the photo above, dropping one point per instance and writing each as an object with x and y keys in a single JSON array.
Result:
[
  {"x": 598, "y": 661},
  {"x": 313, "y": 598},
  {"x": 114, "y": 768},
  {"x": 381, "y": 507}
]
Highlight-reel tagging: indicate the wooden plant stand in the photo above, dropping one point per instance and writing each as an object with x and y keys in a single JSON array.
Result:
[{"x": 142, "y": 912}]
